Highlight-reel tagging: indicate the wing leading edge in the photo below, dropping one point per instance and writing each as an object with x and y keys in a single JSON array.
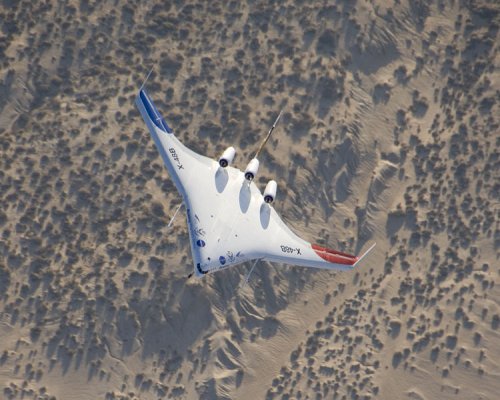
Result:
[{"x": 228, "y": 220}]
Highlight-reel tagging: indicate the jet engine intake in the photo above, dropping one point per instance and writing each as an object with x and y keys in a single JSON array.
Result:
[
  {"x": 227, "y": 157},
  {"x": 251, "y": 169},
  {"x": 270, "y": 192}
]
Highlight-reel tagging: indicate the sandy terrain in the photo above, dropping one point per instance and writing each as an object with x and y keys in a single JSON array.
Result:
[{"x": 390, "y": 135}]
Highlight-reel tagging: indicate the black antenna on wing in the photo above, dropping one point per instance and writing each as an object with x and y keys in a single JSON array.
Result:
[{"x": 268, "y": 135}]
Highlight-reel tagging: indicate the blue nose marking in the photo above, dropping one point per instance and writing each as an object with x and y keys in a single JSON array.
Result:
[
  {"x": 200, "y": 243},
  {"x": 222, "y": 260}
]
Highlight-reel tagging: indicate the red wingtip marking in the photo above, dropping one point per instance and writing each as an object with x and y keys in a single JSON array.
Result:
[{"x": 334, "y": 256}]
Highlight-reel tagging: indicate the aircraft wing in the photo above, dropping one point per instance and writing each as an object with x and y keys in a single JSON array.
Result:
[{"x": 228, "y": 220}]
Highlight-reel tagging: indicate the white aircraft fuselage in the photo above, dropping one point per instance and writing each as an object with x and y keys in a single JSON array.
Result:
[{"x": 228, "y": 220}]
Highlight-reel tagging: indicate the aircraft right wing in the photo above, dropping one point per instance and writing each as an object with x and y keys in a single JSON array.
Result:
[{"x": 282, "y": 245}]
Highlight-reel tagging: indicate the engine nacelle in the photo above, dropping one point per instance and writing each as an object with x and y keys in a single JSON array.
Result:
[
  {"x": 251, "y": 169},
  {"x": 227, "y": 157},
  {"x": 270, "y": 192}
]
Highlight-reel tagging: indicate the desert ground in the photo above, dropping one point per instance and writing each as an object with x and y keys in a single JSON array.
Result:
[{"x": 390, "y": 134}]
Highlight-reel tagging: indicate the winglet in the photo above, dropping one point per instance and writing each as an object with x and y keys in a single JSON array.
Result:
[
  {"x": 364, "y": 254},
  {"x": 147, "y": 104}
]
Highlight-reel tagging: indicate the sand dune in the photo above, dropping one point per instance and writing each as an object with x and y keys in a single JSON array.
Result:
[{"x": 390, "y": 134}]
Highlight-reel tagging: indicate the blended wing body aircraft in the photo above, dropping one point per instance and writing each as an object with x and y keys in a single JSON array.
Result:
[{"x": 229, "y": 220}]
